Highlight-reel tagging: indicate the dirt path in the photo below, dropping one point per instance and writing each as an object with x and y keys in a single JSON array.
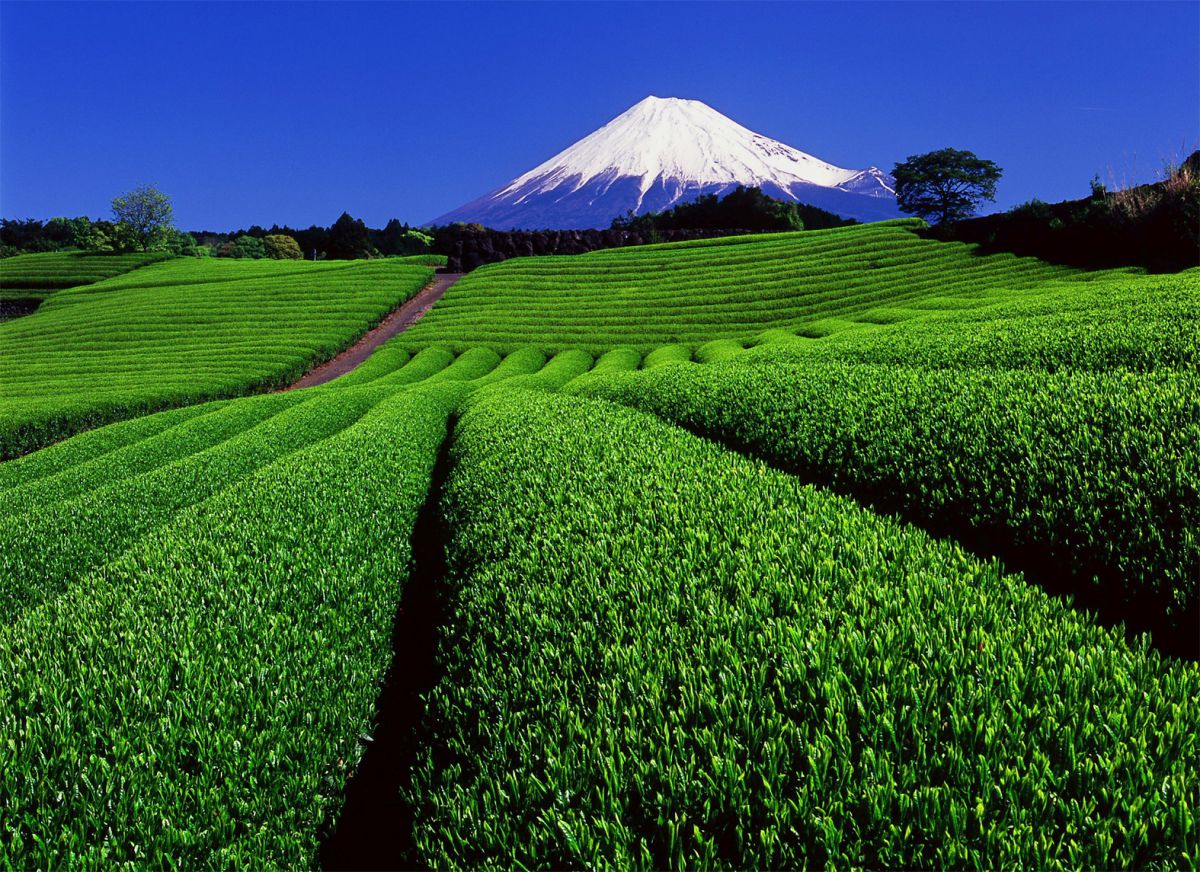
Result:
[{"x": 397, "y": 321}]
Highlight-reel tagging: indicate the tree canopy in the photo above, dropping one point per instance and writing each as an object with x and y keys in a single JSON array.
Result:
[
  {"x": 349, "y": 238},
  {"x": 946, "y": 185},
  {"x": 280, "y": 246},
  {"x": 144, "y": 215}
]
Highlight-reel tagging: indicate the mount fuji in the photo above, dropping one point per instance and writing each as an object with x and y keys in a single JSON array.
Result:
[{"x": 664, "y": 151}]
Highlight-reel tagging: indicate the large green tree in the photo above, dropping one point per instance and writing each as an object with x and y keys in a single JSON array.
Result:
[
  {"x": 144, "y": 216},
  {"x": 945, "y": 185}
]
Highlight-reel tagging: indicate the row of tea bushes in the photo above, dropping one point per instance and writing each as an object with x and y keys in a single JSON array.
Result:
[
  {"x": 662, "y": 654},
  {"x": 1091, "y": 478}
]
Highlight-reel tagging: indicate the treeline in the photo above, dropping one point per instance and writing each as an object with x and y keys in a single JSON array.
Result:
[
  {"x": 748, "y": 209},
  {"x": 348, "y": 238},
  {"x": 30, "y": 236},
  {"x": 1155, "y": 226},
  {"x": 468, "y": 246},
  {"x": 743, "y": 210}
]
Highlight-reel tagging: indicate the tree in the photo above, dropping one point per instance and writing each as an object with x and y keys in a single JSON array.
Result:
[
  {"x": 180, "y": 243},
  {"x": 145, "y": 215},
  {"x": 946, "y": 185},
  {"x": 280, "y": 246},
  {"x": 349, "y": 239},
  {"x": 251, "y": 246}
]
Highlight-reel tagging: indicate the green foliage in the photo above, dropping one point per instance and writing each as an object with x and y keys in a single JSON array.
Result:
[
  {"x": 654, "y": 651},
  {"x": 397, "y": 239},
  {"x": 945, "y": 185},
  {"x": 251, "y": 247},
  {"x": 734, "y": 288},
  {"x": 37, "y": 276},
  {"x": 231, "y": 663},
  {"x": 143, "y": 216},
  {"x": 282, "y": 247},
  {"x": 1092, "y": 477},
  {"x": 437, "y": 260},
  {"x": 180, "y": 244},
  {"x": 660, "y": 654},
  {"x": 349, "y": 239},
  {"x": 180, "y": 332},
  {"x": 741, "y": 209}
]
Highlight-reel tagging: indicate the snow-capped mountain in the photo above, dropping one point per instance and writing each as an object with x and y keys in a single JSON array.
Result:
[{"x": 663, "y": 151}]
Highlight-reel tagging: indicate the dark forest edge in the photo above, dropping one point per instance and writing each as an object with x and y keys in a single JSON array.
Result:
[{"x": 1155, "y": 226}]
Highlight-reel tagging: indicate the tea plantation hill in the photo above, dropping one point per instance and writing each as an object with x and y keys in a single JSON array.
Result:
[
  {"x": 690, "y": 565},
  {"x": 179, "y": 332}
]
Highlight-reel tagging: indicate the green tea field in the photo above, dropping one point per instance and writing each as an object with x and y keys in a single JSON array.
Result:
[
  {"x": 182, "y": 332},
  {"x": 842, "y": 548},
  {"x": 38, "y": 276}
]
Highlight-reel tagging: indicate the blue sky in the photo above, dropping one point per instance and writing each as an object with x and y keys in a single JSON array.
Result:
[{"x": 292, "y": 113}]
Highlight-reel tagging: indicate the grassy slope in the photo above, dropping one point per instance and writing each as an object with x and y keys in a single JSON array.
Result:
[
  {"x": 38, "y": 276},
  {"x": 734, "y": 288},
  {"x": 180, "y": 332}
]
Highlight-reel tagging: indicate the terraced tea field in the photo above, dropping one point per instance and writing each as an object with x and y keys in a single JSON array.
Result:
[
  {"x": 732, "y": 288},
  {"x": 837, "y": 548},
  {"x": 182, "y": 331},
  {"x": 31, "y": 277}
]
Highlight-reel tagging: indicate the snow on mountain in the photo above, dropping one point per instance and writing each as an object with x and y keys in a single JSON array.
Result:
[{"x": 663, "y": 151}]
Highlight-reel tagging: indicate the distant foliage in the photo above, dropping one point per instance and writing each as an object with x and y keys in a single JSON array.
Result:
[
  {"x": 400, "y": 240},
  {"x": 349, "y": 239},
  {"x": 252, "y": 247},
  {"x": 743, "y": 209},
  {"x": 352, "y": 240},
  {"x": 280, "y": 246},
  {"x": 30, "y": 236},
  {"x": 945, "y": 185},
  {"x": 144, "y": 217}
]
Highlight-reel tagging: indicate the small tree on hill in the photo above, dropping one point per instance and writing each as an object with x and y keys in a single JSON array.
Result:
[
  {"x": 144, "y": 214},
  {"x": 946, "y": 185}
]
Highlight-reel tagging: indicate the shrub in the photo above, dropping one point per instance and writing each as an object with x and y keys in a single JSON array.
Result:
[{"x": 282, "y": 247}]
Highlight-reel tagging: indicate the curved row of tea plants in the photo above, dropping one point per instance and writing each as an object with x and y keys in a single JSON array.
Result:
[
  {"x": 37, "y": 276},
  {"x": 1089, "y": 478},
  {"x": 661, "y": 654},
  {"x": 181, "y": 332},
  {"x": 204, "y": 690},
  {"x": 736, "y": 288},
  {"x": 1100, "y": 321}
]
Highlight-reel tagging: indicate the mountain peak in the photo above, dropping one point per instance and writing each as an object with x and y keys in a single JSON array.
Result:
[{"x": 661, "y": 151}]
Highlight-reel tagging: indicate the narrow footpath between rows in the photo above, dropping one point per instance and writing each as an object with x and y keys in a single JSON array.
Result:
[{"x": 397, "y": 321}]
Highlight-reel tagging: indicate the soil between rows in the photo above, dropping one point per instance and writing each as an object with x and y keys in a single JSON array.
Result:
[{"x": 397, "y": 321}]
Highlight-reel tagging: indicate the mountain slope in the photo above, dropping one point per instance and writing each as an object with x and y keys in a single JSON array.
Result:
[{"x": 664, "y": 151}]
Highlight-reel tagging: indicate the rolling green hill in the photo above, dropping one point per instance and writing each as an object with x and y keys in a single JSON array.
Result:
[
  {"x": 732, "y": 288},
  {"x": 180, "y": 332},
  {"x": 747, "y": 553},
  {"x": 31, "y": 277}
]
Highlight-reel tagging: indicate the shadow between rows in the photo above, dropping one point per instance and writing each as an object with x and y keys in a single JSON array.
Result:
[
  {"x": 1053, "y": 572},
  {"x": 375, "y": 827}
]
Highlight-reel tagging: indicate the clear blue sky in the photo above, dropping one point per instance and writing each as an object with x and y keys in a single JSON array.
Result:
[{"x": 274, "y": 112}]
